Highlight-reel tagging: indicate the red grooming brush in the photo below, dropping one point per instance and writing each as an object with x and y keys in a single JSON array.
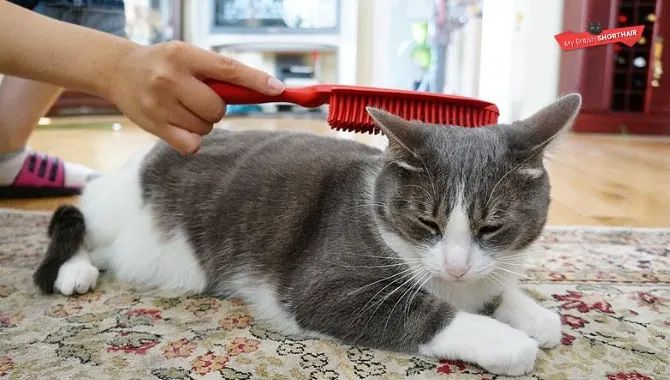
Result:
[{"x": 347, "y": 104}]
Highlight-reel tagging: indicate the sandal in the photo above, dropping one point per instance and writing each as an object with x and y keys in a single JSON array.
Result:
[{"x": 40, "y": 176}]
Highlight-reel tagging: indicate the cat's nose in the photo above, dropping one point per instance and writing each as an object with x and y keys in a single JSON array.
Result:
[{"x": 458, "y": 271}]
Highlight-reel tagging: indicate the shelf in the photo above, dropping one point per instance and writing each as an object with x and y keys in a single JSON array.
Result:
[
  {"x": 275, "y": 47},
  {"x": 340, "y": 45}
]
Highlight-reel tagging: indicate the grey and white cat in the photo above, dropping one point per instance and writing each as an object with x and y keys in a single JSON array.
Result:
[{"x": 415, "y": 249}]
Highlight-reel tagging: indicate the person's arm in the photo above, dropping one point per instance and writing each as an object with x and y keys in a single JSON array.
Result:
[{"x": 158, "y": 87}]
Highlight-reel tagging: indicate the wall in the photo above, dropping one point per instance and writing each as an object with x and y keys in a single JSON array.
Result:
[
  {"x": 391, "y": 39},
  {"x": 462, "y": 69},
  {"x": 517, "y": 66},
  {"x": 365, "y": 42},
  {"x": 197, "y": 23},
  {"x": 519, "y": 56}
]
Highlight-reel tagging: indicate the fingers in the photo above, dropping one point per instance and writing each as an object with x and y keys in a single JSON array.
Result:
[
  {"x": 202, "y": 101},
  {"x": 183, "y": 141},
  {"x": 180, "y": 116},
  {"x": 215, "y": 66},
  {"x": 174, "y": 103}
]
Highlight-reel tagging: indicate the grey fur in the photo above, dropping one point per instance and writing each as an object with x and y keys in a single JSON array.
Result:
[{"x": 298, "y": 211}]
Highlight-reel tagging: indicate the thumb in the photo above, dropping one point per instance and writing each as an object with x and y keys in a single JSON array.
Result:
[{"x": 215, "y": 66}]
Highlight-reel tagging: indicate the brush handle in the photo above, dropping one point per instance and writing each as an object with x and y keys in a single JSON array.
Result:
[{"x": 310, "y": 96}]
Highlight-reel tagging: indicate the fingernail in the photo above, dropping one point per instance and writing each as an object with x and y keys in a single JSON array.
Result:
[{"x": 276, "y": 85}]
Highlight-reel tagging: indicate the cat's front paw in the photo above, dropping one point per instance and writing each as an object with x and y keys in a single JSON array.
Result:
[
  {"x": 545, "y": 327},
  {"x": 491, "y": 344},
  {"x": 521, "y": 312},
  {"x": 514, "y": 357},
  {"x": 76, "y": 276}
]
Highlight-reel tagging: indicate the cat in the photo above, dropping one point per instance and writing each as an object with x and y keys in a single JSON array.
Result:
[
  {"x": 595, "y": 28},
  {"x": 413, "y": 249}
]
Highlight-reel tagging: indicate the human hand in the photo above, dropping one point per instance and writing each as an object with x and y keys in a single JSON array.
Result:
[{"x": 160, "y": 88}]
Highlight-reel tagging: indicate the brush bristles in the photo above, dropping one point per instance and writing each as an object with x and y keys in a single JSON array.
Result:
[{"x": 347, "y": 111}]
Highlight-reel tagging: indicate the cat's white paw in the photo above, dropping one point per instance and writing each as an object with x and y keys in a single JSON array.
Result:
[
  {"x": 521, "y": 312},
  {"x": 489, "y": 343},
  {"x": 507, "y": 355},
  {"x": 76, "y": 275},
  {"x": 544, "y": 326}
]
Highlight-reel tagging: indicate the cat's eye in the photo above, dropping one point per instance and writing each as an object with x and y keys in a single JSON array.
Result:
[
  {"x": 489, "y": 229},
  {"x": 429, "y": 225}
]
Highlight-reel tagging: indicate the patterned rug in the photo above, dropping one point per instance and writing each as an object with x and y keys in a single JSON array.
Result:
[{"x": 611, "y": 287}]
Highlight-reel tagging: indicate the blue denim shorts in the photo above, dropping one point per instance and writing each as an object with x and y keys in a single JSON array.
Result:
[{"x": 103, "y": 15}]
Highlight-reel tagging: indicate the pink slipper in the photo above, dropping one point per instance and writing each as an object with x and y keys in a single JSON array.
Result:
[{"x": 40, "y": 176}]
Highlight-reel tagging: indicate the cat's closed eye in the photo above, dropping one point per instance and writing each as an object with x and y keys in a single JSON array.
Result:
[
  {"x": 489, "y": 230},
  {"x": 429, "y": 225}
]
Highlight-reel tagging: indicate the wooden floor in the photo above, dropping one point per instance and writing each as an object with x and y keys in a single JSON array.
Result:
[{"x": 597, "y": 179}]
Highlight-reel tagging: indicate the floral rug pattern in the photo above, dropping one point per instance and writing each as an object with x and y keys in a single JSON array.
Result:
[{"x": 611, "y": 287}]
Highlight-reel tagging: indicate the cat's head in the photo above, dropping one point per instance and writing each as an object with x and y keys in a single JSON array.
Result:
[{"x": 462, "y": 203}]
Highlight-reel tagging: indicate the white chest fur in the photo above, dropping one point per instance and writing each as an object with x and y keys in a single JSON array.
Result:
[{"x": 470, "y": 297}]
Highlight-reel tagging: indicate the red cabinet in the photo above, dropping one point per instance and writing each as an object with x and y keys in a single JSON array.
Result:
[{"x": 624, "y": 89}]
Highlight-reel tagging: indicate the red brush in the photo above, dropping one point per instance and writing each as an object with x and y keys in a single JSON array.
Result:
[{"x": 347, "y": 104}]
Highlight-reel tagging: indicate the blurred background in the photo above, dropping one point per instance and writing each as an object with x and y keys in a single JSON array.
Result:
[{"x": 500, "y": 51}]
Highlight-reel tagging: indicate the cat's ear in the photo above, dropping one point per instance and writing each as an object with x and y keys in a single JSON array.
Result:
[
  {"x": 403, "y": 137},
  {"x": 546, "y": 125},
  {"x": 530, "y": 138}
]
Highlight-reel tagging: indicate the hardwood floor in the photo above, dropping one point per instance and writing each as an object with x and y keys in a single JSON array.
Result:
[{"x": 597, "y": 179}]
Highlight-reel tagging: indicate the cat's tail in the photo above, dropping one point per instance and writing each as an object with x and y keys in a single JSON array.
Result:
[{"x": 66, "y": 230}]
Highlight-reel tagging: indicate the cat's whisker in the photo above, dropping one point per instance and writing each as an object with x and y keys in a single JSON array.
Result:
[
  {"x": 407, "y": 273},
  {"x": 516, "y": 262},
  {"x": 513, "y": 266},
  {"x": 416, "y": 285},
  {"x": 481, "y": 271},
  {"x": 489, "y": 279},
  {"x": 426, "y": 277},
  {"x": 512, "y": 272},
  {"x": 367, "y": 266},
  {"x": 414, "y": 278},
  {"x": 502, "y": 284},
  {"x": 378, "y": 281},
  {"x": 408, "y": 259},
  {"x": 517, "y": 254},
  {"x": 368, "y": 303},
  {"x": 389, "y": 294},
  {"x": 515, "y": 259},
  {"x": 520, "y": 257},
  {"x": 519, "y": 265},
  {"x": 493, "y": 277},
  {"x": 380, "y": 302},
  {"x": 499, "y": 280},
  {"x": 509, "y": 281}
]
